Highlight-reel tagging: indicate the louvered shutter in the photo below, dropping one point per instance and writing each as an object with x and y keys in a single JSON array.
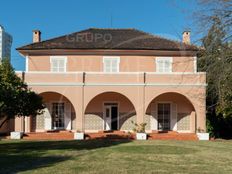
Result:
[
  {"x": 47, "y": 117},
  {"x": 154, "y": 116},
  {"x": 174, "y": 117},
  {"x": 67, "y": 117}
]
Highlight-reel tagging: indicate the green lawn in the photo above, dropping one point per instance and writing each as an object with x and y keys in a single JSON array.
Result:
[{"x": 123, "y": 157}]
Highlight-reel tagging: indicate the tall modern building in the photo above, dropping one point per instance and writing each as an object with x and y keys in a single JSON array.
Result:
[{"x": 5, "y": 44}]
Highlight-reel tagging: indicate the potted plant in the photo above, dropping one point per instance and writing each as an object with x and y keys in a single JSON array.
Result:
[
  {"x": 202, "y": 135},
  {"x": 79, "y": 135},
  {"x": 16, "y": 135},
  {"x": 139, "y": 129}
]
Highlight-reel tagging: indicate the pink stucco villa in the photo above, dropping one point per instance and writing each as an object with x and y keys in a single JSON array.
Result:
[{"x": 102, "y": 79}]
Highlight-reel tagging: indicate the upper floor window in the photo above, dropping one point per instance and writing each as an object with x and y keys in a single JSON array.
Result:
[
  {"x": 164, "y": 64},
  {"x": 111, "y": 64},
  {"x": 58, "y": 63}
]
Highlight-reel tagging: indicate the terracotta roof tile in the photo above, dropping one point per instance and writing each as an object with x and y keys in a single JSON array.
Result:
[{"x": 124, "y": 39}]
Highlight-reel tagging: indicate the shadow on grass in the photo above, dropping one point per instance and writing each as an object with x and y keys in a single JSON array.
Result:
[
  {"x": 19, "y": 162},
  {"x": 21, "y": 156}
]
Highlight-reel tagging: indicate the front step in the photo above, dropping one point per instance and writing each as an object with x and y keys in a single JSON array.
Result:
[
  {"x": 116, "y": 135},
  {"x": 173, "y": 136},
  {"x": 49, "y": 136},
  {"x": 108, "y": 135}
]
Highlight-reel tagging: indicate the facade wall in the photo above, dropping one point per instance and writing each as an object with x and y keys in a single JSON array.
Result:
[
  {"x": 136, "y": 93},
  {"x": 95, "y": 63},
  {"x": 132, "y": 100}
]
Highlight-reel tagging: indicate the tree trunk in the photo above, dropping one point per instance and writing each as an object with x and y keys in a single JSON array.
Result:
[{"x": 4, "y": 121}]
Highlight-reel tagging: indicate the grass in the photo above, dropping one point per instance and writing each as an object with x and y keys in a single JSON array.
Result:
[{"x": 124, "y": 157}]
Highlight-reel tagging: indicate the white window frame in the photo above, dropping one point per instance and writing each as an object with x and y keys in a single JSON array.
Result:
[
  {"x": 111, "y": 58},
  {"x": 52, "y": 58},
  {"x": 195, "y": 64},
  {"x": 159, "y": 59}
]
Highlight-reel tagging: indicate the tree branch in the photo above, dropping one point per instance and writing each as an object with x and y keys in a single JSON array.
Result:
[{"x": 4, "y": 121}]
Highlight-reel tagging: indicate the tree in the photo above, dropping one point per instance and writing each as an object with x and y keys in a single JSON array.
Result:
[
  {"x": 209, "y": 9},
  {"x": 16, "y": 99},
  {"x": 216, "y": 60}
]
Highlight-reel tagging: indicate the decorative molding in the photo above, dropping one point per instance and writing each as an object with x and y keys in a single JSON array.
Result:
[
  {"x": 175, "y": 73},
  {"x": 176, "y": 84},
  {"x": 115, "y": 84},
  {"x": 55, "y": 84},
  {"x": 115, "y": 73}
]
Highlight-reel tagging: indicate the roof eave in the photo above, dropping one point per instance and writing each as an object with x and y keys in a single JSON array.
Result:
[{"x": 108, "y": 51}]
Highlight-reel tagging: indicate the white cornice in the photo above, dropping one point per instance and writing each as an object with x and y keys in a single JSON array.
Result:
[{"x": 117, "y": 84}]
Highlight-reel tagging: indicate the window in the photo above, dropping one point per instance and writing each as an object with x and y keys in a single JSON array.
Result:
[
  {"x": 164, "y": 64},
  {"x": 164, "y": 114},
  {"x": 58, "y": 63},
  {"x": 58, "y": 115},
  {"x": 111, "y": 64}
]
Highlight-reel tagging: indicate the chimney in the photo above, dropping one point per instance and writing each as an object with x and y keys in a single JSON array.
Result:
[
  {"x": 186, "y": 37},
  {"x": 36, "y": 36}
]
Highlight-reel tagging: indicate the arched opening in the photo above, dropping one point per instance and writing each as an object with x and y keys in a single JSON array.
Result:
[
  {"x": 109, "y": 111},
  {"x": 172, "y": 111},
  {"x": 59, "y": 114}
]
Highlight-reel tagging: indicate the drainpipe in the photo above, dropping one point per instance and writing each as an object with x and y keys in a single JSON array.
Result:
[
  {"x": 144, "y": 81},
  {"x": 23, "y": 76},
  {"x": 83, "y": 94}
]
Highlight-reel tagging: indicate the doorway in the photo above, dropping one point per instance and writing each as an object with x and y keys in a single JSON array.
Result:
[
  {"x": 164, "y": 114},
  {"x": 110, "y": 116},
  {"x": 58, "y": 116}
]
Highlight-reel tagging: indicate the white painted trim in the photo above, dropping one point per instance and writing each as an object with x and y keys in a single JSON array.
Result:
[
  {"x": 170, "y": 117},
  {"x": 153, "y": 117},
  {"x": 115, "y": 84},
  {"x": 19, "y": 72},
  {"x": 117, "y": 58},
  {"x": 103, "y": 104},
  {"x": 49, "y": 72},
  {"x": 176, "y": 84},
  {"x": 195, "y": 64},
  {"x": 116, "y": 73},
  {"x": 159, "y": 59},
  {"x": 58, "y": 58},
  {"x": 164, "y": 58},
  {"x": 111, "y": 57},
  {"x": 175, "y": 73},
  {"x": 102, "y": 73},
  {"x": 55, "y": 84},
  {"x": 27, "y": 64}
]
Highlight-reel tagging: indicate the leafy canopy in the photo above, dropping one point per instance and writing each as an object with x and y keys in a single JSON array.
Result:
[{"x": 16, "y": 99}]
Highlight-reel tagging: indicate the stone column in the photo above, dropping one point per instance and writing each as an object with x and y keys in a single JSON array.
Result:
[
  {"x": 27, "y": 122},
  {"x": 140, "y": 111},
  {"x": 201, "y": 115},
  {"x": 19, "y": 124},
  {"x": 79, "y": 108},
  {"x": 193, "y": 122}
]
